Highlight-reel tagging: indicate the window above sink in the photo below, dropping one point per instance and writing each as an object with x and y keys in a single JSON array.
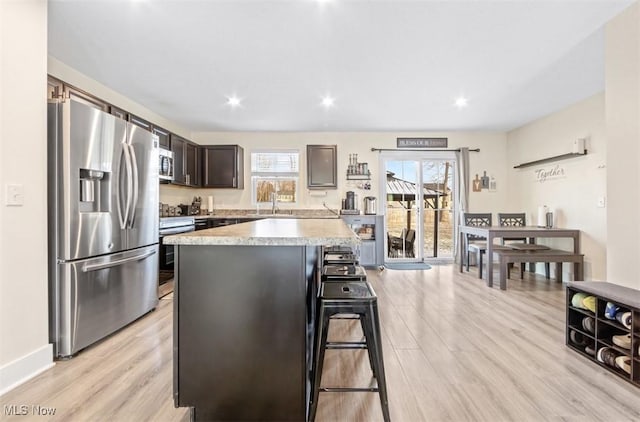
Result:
[{"x": 274, "y": 172}]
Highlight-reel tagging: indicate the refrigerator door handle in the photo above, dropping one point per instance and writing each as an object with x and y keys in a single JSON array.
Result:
[
  {"x": 134, "y": 202},
  {"x": 94, "y": 267},
  {"x": 124, "y": 157},
  {"x": 118, "y": 187},
  {"x": 127, "y": 153}
]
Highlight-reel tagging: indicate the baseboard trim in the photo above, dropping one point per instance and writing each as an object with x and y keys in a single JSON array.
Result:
[{"x": 23, "y": 369}]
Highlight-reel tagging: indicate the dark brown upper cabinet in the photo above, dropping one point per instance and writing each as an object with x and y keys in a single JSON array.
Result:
[
  {"x": 88, "y": 99},
  {"x": 192, "y": 164},
  {"x": 185, "y": 162},
  {"x": 223, "y": 166},
  {"x": 322, "y": 166},
  {"x": 118, "y": 112},
  {"x": 140, "y": 122},
  {"x": 164, "y": 136},
  {"x": 55, "y": 88}
]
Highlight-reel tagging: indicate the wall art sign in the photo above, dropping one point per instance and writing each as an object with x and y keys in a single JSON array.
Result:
[
  {"x": 484, "y": 182},
  {"x": 422, "y": 142},
  {"x": 549, "y": 173}
]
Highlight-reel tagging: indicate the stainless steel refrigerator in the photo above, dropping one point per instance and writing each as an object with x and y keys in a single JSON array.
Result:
[{"x": 103, "y": 224}]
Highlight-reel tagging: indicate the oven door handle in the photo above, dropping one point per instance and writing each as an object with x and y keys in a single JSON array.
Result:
[{"x": 176, "y": 230}]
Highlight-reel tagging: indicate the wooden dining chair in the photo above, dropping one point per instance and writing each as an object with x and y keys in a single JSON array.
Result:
[
  {"x": 476, "y": 244},
  {"x": 517, "y": 220},
  {"x": 513, "y": 220}
]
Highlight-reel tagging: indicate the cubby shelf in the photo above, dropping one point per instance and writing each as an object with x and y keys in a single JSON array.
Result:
[{"x": 625, "y": 298}]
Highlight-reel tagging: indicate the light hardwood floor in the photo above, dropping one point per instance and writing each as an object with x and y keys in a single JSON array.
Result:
[{"x": 454, "y": 350}]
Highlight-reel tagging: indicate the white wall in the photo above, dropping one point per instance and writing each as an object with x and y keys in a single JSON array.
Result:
[
  {"x": 622, "y": 78},
  {"x": 60, "y": 70},
  {"x": 24, "y": 348},
  {"x": 572, "y": 197},
  {"x": 490, "y": 158}
]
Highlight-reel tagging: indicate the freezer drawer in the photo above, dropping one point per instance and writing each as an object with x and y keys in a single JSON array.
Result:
[{"x": 97, "y": 296}]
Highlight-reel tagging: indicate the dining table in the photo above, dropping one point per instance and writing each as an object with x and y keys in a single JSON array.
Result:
[{"x": 496, "y": 232}]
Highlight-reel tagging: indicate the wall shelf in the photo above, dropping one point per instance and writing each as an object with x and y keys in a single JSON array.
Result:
[
  {"x": 551, "y": 159},
  {"x": 359, "y": 176}
]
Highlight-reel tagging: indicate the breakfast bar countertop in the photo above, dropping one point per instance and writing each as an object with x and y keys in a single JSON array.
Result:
[{"x": 272, "y": 232}]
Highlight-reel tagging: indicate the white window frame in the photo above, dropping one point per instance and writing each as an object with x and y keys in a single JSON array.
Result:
[{"x": 275, "y": 176}]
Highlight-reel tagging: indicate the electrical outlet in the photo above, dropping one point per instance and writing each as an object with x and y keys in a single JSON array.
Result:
[{"x": 602, "y": 202}]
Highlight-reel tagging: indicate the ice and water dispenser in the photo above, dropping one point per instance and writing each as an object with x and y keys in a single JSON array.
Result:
[{"x": 94, "y": 191}]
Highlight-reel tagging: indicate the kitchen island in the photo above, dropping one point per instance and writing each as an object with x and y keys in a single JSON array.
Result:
[{"x": 243, "y": 317}]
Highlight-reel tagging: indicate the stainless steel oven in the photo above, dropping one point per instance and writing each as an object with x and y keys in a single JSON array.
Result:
[{"x": 169, "y": 226}]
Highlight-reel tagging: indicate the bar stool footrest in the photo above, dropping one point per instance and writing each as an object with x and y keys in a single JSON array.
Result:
[
  {"x": 349, "y": 389},
  {"x": 346, "y": 345}
]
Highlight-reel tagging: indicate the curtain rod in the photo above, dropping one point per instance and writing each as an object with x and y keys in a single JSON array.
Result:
[{"x": 423, "y": 150}]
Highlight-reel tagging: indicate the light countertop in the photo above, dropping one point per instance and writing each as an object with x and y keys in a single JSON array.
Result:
[
  {"x": 272, "y": 231},
  {"x": 266, "y": 213}
]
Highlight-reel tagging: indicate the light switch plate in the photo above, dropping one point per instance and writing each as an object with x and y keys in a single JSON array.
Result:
[
  {"x": 14, "y": 195},
  {"x": 602, "y": 202}
]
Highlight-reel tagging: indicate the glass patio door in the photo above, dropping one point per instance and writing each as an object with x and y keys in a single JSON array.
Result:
[
  {"x": 419, "y": 207},
  {"x": 438, "y": 209}
]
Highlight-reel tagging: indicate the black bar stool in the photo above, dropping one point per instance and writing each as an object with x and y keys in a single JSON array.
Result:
[
  {"x": 340, "y": 258},
  {"x": 343, "y": 272},
  {"x": 338, "y": 249},
  {"x": 358, "y": 298}
]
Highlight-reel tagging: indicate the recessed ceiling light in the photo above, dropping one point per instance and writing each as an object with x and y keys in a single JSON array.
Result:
[
  {"x": 233, "y": 101},
  {"x": 461, "y": 102},
  {"x": 328, "y": 101}
]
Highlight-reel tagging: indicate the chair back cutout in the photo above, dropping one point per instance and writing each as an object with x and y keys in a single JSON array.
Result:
[
  {"x": 517, "y": 219},
  {"x": 477, "y": 220}
]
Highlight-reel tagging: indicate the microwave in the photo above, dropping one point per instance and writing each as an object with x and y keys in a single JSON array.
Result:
[{"x": 165, "y": 165}]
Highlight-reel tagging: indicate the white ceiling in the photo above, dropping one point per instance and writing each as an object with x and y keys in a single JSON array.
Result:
[{"x": 390, "y": 65}]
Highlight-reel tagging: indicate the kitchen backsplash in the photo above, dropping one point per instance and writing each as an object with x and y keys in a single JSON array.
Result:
[{"x": 241, "y": 199}]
